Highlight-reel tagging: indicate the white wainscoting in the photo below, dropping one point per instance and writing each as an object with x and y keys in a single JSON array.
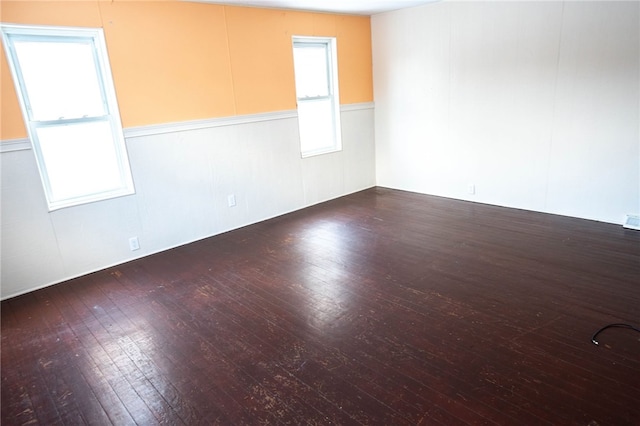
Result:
[{"x": 183, "y": 173}]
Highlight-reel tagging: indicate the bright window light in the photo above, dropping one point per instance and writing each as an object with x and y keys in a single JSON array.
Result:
[
  {"x": 66, "y": 92},
  {"x": 316, "y": 76}
]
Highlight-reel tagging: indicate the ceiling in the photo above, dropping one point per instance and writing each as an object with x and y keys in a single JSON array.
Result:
[{"x": 356, "y": 7}]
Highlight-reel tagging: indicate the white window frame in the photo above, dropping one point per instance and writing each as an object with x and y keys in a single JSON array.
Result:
[
  {"x": 333, "y": 96},
  {"x": 12, "y": 33}
]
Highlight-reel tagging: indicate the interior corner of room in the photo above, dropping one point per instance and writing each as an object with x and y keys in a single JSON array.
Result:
[{"x": 528, "y": 105}]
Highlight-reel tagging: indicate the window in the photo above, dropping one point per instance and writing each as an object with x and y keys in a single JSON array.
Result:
[
  {"x": 316, "y": 75},
  {"x": 66, "y": 93}
]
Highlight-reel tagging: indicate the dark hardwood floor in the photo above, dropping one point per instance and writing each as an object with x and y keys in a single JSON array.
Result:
[{"x": 383, "y": 307}]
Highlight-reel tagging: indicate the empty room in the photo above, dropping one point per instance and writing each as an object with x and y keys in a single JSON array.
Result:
[{"x": 376, "y": 212}]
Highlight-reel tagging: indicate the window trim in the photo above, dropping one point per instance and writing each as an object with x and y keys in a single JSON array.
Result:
[
  {"x": 334, "y": 94},
  {"x": 15, "y": 32}
]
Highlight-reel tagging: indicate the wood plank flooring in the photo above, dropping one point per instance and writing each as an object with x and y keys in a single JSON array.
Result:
[{"x": 383, "y": 307}]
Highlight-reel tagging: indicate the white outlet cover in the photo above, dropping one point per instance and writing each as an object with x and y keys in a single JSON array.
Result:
[
  {"x": 134, "y": 244},
  {"x": 231, "y": 200}
]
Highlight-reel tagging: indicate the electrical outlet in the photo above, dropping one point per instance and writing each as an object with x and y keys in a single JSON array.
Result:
[
  {"x": 134, "y": 244},
  {"x": 231, "y": 200},
  {"x": 471, "y": 189}
]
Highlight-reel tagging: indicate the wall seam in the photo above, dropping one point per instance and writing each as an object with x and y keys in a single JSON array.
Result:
[
  {"x": 553, "y": 113},
  {"x": 233, "y": 83}
]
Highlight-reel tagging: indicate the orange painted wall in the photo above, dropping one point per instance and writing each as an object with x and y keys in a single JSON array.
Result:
[{"x": 175, "y": 61}]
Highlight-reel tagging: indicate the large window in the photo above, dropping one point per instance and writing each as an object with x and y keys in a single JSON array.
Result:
[
  {"x": 66, "y": 92},
  {"x": 316, "y": 75}
]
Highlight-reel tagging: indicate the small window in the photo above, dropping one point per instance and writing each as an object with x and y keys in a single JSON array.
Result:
[
  {"x": 64, "y": 85},
  {"x": 316, "y": 76}
]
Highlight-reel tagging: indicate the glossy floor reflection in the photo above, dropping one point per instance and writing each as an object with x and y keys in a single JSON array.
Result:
[{"x": 382, "y": 307}]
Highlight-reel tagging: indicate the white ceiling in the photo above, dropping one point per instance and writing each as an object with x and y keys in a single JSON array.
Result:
[{"x": 356, "y": 7}]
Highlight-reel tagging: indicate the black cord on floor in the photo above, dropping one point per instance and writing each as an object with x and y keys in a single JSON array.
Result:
[{"x": 595, "y": 342}]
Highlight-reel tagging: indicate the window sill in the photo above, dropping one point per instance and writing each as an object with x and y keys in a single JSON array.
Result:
[{"x": 320, "y": 152}]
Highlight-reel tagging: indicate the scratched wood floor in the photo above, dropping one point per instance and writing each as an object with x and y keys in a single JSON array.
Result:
[{"x": 382, "y": 307}]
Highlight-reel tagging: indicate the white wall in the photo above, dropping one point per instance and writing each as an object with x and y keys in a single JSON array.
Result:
[
  {"x": 182, "y": 181},
  {"x": 534, "y": 103}
]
